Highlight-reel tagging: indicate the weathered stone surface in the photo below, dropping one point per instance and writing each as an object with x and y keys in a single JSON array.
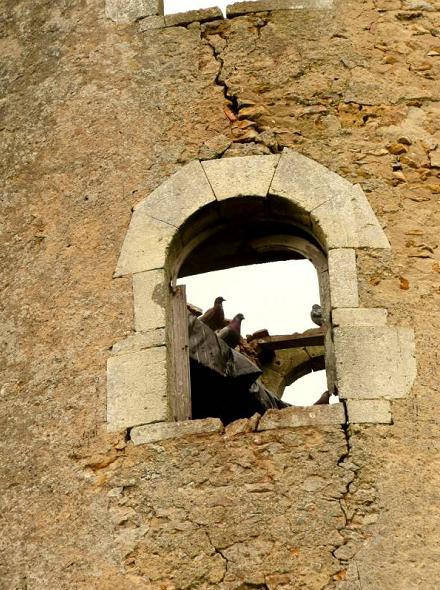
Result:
[
  {"x": 139, "y": 341},
  {"x": 239, "y": 8},
  {"x": 150, "y": 293},
  {"x": 343, "y": 278},
  {"x": 125, "y": 11},
  {"x": 236, "y": 177},
  {"x": 368, "y": 231},
  {"x": 377, "y": 411},
  {"x": 359, "y": 316},
  {"x": 374, "y": 361},
  {"x": 151, "y": 22},
  {"x": 434, "y": 158},
  {"x": 136, "y": 388},
  {"x": 178, "y": 197},
  {"x": 94, "y": 117},
  {"x": 297, "y": 416},
  {"x": 242, "y": 426},
  {"x": 165, "y": 430},
  {"x": 214, "y": 147},
  {"x": 306, "y": 182},
  {"x": 334, "y": 222},
  {"x": 417, "y": 5},
  {"x": 202, "y": 15},
  {"x": 145, "y": 246}
]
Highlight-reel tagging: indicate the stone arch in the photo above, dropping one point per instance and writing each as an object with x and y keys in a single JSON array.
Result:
[{"x": 181, "y": 213}]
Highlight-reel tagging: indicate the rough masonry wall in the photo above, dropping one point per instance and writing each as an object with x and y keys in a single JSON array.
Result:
[{"x": 94, "y": 116}]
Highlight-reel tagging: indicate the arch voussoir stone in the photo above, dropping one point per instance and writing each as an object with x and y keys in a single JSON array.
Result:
[
  {"x": 340, "y": 212},
  {"x": 145, "y": 246},
  {"x": 187, "y": 191},
  {"x": 156, "y": 219},
  {"x": 306, "y": 182},
  {"x": 248, "y": 176}
]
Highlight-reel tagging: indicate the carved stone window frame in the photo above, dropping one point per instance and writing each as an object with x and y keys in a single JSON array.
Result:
[{"x": 370, "y": 362}]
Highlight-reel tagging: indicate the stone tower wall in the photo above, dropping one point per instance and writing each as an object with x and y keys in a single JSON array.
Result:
[{"x": 95, "y": 114}]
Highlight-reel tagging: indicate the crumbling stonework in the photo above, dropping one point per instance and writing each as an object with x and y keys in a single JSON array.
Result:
[{"x": 96, "y": 115}]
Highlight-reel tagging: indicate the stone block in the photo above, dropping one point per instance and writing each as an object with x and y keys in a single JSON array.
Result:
[
  {"x": 418, "y": 5},
  {"x": 179, "y": 197},
  {"x": 334, "y": 222},
  {"x": 343, "y": 278},
  {"x": 296, "y": 416},
  {"x": 239, "y": 8},
  {"x": 150, "y": 293},
  {"x": 126, "y": 11},
  {"x": 140, "y": 341},
  {"x": 242, "y": 426},
  {"x": 374, "y": 361},
  {"x": 137, "y": 388},
  {"x": 151, "y": 433},
  {"x": 359, "y": 316},
  {"x": 248, "y": 176},
  {"x": 202, "y": 15},
  {"x": 341, "y": 215},
  {"x": 434, "y": 158},
  {"x": 150, "y": 23},
  {"x": 146, "y": 244},
  {"x": 305, "y": 182},
  {"x": 372, "y": 411},
  {"x": 369, "y": 232}
]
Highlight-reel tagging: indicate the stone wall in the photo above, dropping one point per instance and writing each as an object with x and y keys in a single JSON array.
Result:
[{"x": 95, "y": 115}]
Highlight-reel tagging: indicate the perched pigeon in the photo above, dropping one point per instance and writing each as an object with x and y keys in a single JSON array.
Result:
[
  {"x": 231, "y": 334},
  {"x": 316, "y": 315},
  {"x": 214, "y": 317},
  {"x": 324, "y": 399}
]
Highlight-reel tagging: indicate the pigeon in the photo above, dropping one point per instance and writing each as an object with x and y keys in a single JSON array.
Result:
[
  {"x": 214, "y": 317},
  {"x": 316, "y": 315},
  {"x": 231, "y": 333},
  {"x": 324, "y": 399}
]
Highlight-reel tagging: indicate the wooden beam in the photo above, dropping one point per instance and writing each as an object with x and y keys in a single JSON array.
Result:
[
  {"x": 180, "y": 398},
  {"x": 313, "y": 337}
]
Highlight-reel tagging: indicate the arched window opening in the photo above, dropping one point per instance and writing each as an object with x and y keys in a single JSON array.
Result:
[
  {"x": 200, "y": 220},
  {"x": 258, "y": 256},
  {"x": 275, "y": 298}
]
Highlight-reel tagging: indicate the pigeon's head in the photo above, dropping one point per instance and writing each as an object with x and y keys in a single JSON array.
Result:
[
  {"x": 219, "y": 300},
  {"x": 316, "y": 307},
  {"x": 239, "y": 317}
]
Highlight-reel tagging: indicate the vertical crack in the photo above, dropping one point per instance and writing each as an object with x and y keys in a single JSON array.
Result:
[
  {"x": 218, "y": 552},
  {"x": 352, "y": 502},
  {"x": 244, "y": 125}
]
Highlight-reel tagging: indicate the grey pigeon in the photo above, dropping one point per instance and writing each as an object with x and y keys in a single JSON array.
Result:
[
  {"x": 316, "y": 315},
  {"x": 214, "y": 317},
  {"x": 231, "y": 334}
]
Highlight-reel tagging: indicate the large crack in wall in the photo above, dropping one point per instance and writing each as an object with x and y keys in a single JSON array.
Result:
[
  {"x": 242, "y": 113},
  {"x": 360, "y": 509}
]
